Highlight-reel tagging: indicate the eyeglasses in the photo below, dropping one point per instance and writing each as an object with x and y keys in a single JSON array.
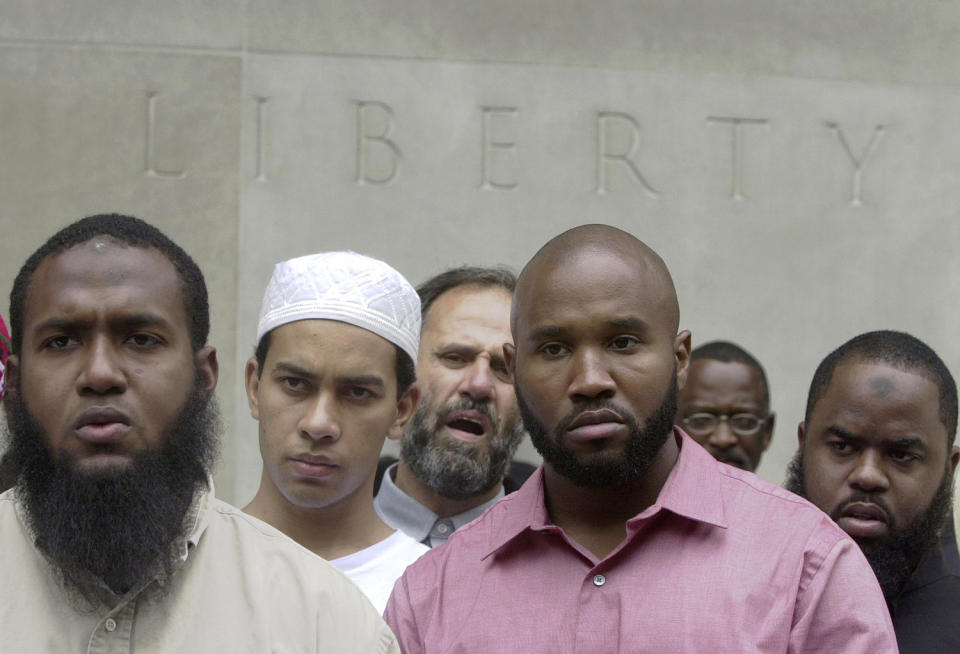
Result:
[{"x": 741, "y": 424}]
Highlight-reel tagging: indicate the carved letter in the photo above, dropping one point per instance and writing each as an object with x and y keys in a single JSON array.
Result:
[
  {"x": 856, "y": 198},
  {"x": 492, "y": 146},
  {"x": 261, "y": 170},
  {"x": 366, "y": 140},
  {"x": 625, "y": 157},
  {"x": 736, "y": 156},
  {"x": 151, "y": 168}
]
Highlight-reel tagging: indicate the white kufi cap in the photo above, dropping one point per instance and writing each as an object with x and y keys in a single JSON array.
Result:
[{"x": 347, "y": 287}]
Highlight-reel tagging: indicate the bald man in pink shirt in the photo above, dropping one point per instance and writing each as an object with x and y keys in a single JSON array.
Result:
[{"x": 630, "y": 537}]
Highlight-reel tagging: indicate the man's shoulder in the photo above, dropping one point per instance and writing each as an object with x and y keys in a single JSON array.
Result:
[
  {"x": 748, "y": 497},
  {"x": 925, "y": 616},
  {"x": 10, "y": 525},
  {"x": 285, "y": 577},
  {"x": 255, "y": 542},
  {"x": 469, "y": 544}
]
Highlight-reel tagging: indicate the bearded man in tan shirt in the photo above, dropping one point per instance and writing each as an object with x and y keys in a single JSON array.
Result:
[{"x": 112, "y": 539}]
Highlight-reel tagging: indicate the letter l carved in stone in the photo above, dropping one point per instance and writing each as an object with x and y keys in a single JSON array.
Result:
[{"x": 151, "y": 169}]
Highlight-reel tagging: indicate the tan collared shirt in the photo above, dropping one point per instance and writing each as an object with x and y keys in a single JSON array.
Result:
[{"x": 242, "y": 587}]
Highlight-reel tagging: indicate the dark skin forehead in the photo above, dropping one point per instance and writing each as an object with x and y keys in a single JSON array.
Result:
[{"x": 600, "y": 241}]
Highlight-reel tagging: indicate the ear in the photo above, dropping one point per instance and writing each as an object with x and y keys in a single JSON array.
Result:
[
  {"x": 954, "y": 457},
  {"x": 768, "y": 430},
  {"x": 209, "y": 369},
  {"x": 801, "y": 428},
  {"x": 681, "y": 351},
  {"x": 510, "y": 358},
  {"x": 251, "y": 378},
  {"x": 11, "y": 375},
  {"x": 405, "y": 408}
]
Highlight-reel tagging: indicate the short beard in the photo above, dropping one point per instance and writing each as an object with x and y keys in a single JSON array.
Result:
[
  {"x": 895, "y": 557},
  {"x": 605, "y": 471},
  {"x": 120, "y": 526},
  {"x": 454, "y": 469}
]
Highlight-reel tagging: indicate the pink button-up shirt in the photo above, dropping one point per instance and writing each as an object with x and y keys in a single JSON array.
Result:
[{"x": 722, "y": 563}]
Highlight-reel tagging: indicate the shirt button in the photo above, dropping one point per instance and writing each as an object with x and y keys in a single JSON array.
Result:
[
  {"x": 443, "y": 528},
  {"x": 110, "y": 624},
  {"x": 599, "y": 580}
]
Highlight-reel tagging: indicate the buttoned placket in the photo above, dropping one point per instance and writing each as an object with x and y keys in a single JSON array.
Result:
[
  {"x": 113, "y": 634},
  {"x": 442, "y": 529}
]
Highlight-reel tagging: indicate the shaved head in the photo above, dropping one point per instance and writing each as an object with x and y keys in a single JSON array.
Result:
[
  {"x": 597, "y": 359},
  {"x": 595, "y": 240}
]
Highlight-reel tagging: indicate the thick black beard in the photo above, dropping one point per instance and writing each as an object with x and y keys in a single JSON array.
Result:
[
  {"x": 643, "y": 445},
  {"x": 118, "y": 526},
  {"x": 895, "y": 557},
  {"x": 453, "y": 469}
]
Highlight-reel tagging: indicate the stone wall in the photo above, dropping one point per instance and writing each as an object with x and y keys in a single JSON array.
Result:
[{"x": 796, "y": 164}]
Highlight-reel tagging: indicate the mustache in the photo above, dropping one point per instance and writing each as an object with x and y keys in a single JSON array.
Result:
[
  {"x": 863, "y": 498},
  {"x": 467, "y": 403},
  {"x": 596, "y": 405}
]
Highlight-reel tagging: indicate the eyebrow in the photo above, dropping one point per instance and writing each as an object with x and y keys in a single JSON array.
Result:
[
  {"x": 907, "y": 443},
  {"x": 619, "y": 322},
  {"x": 634, "y": 324},
  {"x": 293, "y": 369},
  {"x": 358, "y": 380},
  {"x": 549, "y": 331},
  {"x": 459, "y": 348},
  {"x": 903, "y": 443},
  {"x": 364, "y": 380},
  {"x": 836, "y": 430},
  {"x": 143, "y": 319}
]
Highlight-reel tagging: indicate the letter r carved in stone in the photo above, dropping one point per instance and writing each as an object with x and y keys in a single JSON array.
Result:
[{"x": 607, "y": 154}]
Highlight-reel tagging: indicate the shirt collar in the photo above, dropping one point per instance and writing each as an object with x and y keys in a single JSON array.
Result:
[
  {"x": 931, "y": 568},
  {"x": 692, "y": 488},
  {"x": 199, "y": 517},
  {"x": 691, "y": 491},
  {"x": 402, "y": 512}
]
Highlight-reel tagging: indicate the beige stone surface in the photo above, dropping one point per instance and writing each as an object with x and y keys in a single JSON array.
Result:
[
  {"x": 74, "y": 142},
  {"x": 772, "y": 242},
  {"x": 304, "y": 126},
  {"x": 889, "y": 41},
  {"x": 204, "y": 24}
]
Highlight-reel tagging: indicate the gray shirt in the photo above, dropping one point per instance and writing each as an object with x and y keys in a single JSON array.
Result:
[{"x": 402, "y": 512}]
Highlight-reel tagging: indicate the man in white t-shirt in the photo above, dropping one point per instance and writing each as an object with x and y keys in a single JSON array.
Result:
[{"x": 331, "y": 378}]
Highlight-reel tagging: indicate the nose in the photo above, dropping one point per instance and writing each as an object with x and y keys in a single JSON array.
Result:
[
  {"x": 478, "y": 381},
  {"x": 723, "y": 437},
  {"x": 591, "y": 379},
  {"x": 320, "y": 421},
  {"x": 868, "y": 474},
  {"x": 102, "y": 372}
]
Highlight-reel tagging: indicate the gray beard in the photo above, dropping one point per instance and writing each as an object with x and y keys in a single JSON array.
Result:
[
  {"x": 451, "y": 468},
  {"x": 121, "y": 527}
]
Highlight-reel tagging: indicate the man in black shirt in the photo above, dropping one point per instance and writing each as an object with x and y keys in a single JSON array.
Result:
[{"x": 877, "y": 454}]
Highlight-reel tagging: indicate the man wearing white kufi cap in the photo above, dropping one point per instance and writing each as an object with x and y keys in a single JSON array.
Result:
[{"x": 331, "y": 378}]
